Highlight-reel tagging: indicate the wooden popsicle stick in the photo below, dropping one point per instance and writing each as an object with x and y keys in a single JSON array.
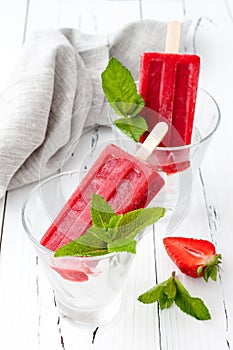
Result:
[
  {"x": 152, "y": 141},
  {"x": 173, "y": 37}
]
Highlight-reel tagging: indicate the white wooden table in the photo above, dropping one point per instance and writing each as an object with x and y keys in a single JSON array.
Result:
[{"x": 28, "y": 315}]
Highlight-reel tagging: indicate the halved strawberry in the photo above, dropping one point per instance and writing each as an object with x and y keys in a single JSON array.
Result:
[{"x": 194, "y": 257}]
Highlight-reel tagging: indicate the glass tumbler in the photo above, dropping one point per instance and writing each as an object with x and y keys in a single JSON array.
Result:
[
  {"x": 177, "y": 165},
  {"x": 87, "y": 289}
]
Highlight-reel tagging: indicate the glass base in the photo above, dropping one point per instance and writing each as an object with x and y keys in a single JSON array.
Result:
[{"x": 92, "y": 316}]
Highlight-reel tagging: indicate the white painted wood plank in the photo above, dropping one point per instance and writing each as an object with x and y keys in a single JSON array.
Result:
[
  {"x": 98, "y": 16},
  {"x": 28, "y": 313},
  {"x": 136, "y": 326},
  {"x": 211, "y": 32},
  {"x": 165, "y": 10},
  {"x": 42, "y": 14},
  {"x": 12, "y": 22},
  {"x": 14, "y": 296},
  {"x": 174, "y": 323},
  {"x": 218, "y": 192},
  {"x": 217, "y": 57}
]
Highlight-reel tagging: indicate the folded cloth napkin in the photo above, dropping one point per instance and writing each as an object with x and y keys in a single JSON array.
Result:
[{"x": 55, "y": 92}]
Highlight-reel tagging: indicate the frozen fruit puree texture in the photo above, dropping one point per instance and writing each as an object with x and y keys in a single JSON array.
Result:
[
  {"x": 168, "y": 85},
  {"x": 124, "y": 181}
]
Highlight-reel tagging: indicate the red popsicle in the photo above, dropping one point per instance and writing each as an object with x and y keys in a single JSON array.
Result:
[
  {"x": 168, "y": 84},
  {"x": 126, "y": 182}
]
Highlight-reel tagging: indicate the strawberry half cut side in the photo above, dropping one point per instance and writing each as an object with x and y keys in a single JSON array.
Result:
[{"x": 194, "y": 257}]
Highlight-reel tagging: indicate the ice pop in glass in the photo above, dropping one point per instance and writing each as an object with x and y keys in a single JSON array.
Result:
[
  {"x": 168, "y": 85},
  {"x": 125, "y": 181}
]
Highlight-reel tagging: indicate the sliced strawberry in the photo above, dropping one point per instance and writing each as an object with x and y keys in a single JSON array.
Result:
[
  {"x": 72, "y": 275},
  {"x": 194, "y": 257}
]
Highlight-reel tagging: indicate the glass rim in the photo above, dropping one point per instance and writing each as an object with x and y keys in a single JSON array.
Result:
[
  {"x": 35, "y": 241},
  {"x": 185, "y": 147}
]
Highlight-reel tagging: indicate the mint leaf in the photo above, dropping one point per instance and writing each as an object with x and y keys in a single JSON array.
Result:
[
  {"x": 120, "y": 89},
  {"x": 115, "y": 220},
  {"x": 133, "y": 127},
  {"x": 101, "y": 211},
  {"x": 135, "y": 221},
  {"x": 121, "y": 92},
  {"x": 126, "y": 109},
  {"x": 110, "y": 232},
  {"x": 172, "y": 290},
  {"x": 104, "y": 234},
  {"x": 86, "y": 245},
  {"x": 192, "y": 306},
  {"x": 164, "y": 301},
  {"x": 164, "y": 293},
  {"x": 123, "y": 245},
  {"x": 152, "y": 294}
]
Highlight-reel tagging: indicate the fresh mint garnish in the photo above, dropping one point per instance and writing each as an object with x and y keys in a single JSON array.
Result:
[
  {"x": 101, "y": 211},
  {"x": 86, "y": 245},
  {"x": 110, "y": 232},
  {"x": 121, "y": 92},
  {"x": 172, "y": 290},
  {"x": 190, "y": 305},
  {"x": 133, "y": 127}
]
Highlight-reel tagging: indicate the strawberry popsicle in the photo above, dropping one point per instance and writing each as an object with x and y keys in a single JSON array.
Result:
[
  {"x": 168, "y": 85},
  {"x": 124, "y": 181}
]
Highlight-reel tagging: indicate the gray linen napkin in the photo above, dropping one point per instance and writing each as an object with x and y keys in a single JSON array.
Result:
[{"x": 55, "y": 92}]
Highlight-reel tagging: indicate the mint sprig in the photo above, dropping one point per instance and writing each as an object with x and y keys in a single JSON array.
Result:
[
  {"x": 110, "y": 232},
  {"x": 172, "y": 290},
  {"x": 121, "y": 92},
  {"x": 133, "y": 127}
]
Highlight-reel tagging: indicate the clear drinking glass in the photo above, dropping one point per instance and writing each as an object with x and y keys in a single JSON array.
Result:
[
  {"x": 177, "y": 165},
  {"x": 87, "y": 289}
]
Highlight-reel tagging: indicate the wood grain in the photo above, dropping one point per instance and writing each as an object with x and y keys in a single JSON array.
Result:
[{"x": 29, "y": 318}]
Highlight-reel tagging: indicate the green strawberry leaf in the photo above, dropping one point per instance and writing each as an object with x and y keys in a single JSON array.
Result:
[
  {"x": 120, "y": 89},
  {"x": 101, "y": 211},
  {"x": 86, "y": 245},
  {"x": 194, "y": 307},
  {"x": 133, "y": 127},
  {"x": 210, "y": 269},
  {"x": 199, "y": 270},
  {"x": 213, "y": 273}
]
